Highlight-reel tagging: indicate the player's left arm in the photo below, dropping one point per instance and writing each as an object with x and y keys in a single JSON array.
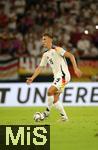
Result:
[
  {"x": 73, "y": 61},
  {"x": 67, "y": 54}
]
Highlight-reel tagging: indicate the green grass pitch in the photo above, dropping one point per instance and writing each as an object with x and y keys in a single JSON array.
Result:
[{"x": 79, "y": 133}]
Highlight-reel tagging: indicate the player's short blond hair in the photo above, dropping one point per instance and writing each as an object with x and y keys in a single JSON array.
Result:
[{"x": 49, "y": 35}]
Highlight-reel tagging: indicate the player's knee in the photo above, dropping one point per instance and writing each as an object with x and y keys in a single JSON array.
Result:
[{"x": 50, "y": 93}]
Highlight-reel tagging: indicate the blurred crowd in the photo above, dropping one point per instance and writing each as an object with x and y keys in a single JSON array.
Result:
[{"x": 74, "y": 24}]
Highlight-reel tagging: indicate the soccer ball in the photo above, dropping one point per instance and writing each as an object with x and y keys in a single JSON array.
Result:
[{"x": 38, "y": 116}]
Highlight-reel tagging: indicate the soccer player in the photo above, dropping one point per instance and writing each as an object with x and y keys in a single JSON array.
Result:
[{"x": 55, "y": 56}]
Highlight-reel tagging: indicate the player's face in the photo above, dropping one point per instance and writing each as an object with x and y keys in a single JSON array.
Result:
[{"x": 46, "y": 42}]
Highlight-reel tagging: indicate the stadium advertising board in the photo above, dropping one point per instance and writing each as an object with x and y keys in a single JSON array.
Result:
[{"x": 21, "y": 95}]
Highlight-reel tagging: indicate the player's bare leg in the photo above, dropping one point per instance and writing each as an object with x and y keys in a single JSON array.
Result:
[{"x": 53, "y": 98}]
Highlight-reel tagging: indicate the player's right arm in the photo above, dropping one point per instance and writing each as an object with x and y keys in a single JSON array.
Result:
[
  {"x": 36, "y": 73},
  {"x": 38, "y": 70}
]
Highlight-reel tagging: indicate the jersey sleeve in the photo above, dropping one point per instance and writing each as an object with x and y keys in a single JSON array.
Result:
[
  {"x": 43, "y": 62},
  {"x": 60, "y": 51}
]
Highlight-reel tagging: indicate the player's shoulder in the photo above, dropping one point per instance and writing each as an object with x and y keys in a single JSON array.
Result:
[
  {"x": 44, "y": 54},
  {"x": 58, "y": 48}
]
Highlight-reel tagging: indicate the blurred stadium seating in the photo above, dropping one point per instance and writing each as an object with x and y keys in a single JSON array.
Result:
[{"x": 74, "y": 24}]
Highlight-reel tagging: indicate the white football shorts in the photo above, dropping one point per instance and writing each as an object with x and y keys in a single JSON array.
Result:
[{"x": 60, "y": 82}]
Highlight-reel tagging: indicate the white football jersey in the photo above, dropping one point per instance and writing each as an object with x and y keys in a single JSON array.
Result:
[{"x": 56, "y": 61}]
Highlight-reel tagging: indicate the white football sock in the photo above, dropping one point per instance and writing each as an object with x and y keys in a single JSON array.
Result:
[
  {"x": 50, "y": 102},
  {"x": 58, "y": 105}
]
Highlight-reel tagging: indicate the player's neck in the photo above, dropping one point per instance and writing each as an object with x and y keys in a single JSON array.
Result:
[{"x": 49, "y": 46}]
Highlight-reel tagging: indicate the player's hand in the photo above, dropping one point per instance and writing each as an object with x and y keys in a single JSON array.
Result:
[
  {"x": 29, "y": 80},
  {"x": 78, "y": 72}
]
